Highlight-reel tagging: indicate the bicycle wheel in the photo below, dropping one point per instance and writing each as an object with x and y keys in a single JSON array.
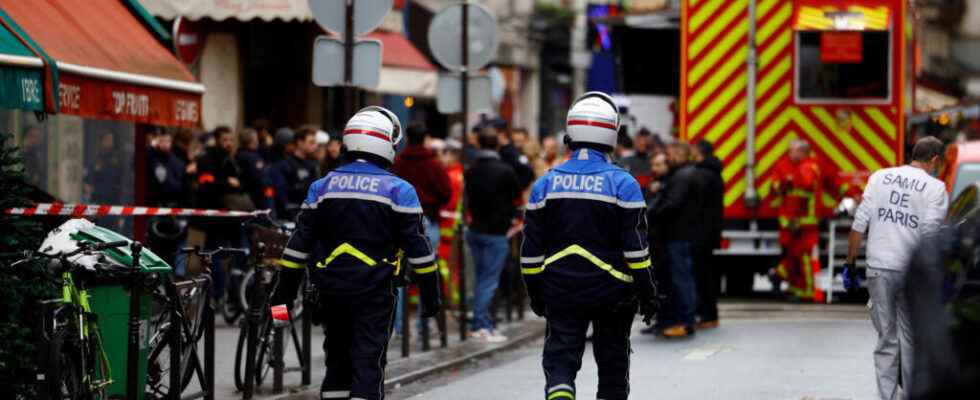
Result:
[
  {"x": 64, "y": 368},
  {"x": 158, "y": 365},
  {"x": 264, "y": 347}
]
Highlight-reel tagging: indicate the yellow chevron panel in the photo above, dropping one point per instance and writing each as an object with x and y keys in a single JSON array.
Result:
[
  {"x": 737, "y": 164},
  {"x": 846, "y": 139},
  {"x": 703, "y": 14},
  {"x": 771, "y": 130},
  {"x": 765, "y": 188},
  {"x": 817, "y": 137},
  {"x": 735, "y": 192},
  {"x": 737, "y": 138},
  {"x": 872, "y": 137},
  {"x": 732, "y": 116},
  {"x": 885, "y": 124},
  {"x": 718, "y": 23},
  {"x": 717, "y": 105},
  {"x": 774, "y": 75},
  {"x": 777, "y": 46},
  {"x": 767, "y": 108},
  {"x": 719, "y": 49},
  {"x": 721, "y": 76},
  {"x": 772, "y": 156},
  {"x": 764, "y": 7},
  {"x": 776, "y": 22}
]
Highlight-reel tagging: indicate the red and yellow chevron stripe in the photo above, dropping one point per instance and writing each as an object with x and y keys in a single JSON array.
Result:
[{"x": 713, "y": 102}]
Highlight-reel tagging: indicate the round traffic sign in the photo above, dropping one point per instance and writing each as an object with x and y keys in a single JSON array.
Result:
[
  {"x": 332, "y": 14},
  {"x": 188, "y": 40},
  {"x": 446, "y": 36}
]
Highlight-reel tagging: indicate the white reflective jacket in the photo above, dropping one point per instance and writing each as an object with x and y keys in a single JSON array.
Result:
[{"x": 900, "y": 206}]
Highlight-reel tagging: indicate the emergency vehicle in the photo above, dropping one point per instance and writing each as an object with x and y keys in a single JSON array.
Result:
[{"x": 755, "y": 74}]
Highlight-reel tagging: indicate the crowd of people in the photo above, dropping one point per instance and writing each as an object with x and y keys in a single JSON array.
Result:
[{"x": 684, "y": 191}]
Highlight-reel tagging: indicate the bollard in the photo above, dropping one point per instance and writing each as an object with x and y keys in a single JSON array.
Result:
[
  {"x": 278, "y": 365},
  {"x": 406, "y": 330},
  {"x": 441, "y": 321},
  {"x": 209, "y": 350},
  {"x": 461, "y": 266},
  {"x": 306, "y": 353}
]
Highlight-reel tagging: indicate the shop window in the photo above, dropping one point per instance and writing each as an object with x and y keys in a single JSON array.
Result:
[
  {"x": 77, "y": 160},
  {"x": 843, "y": 67}
]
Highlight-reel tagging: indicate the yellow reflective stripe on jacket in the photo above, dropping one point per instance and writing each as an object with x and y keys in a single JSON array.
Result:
[
  {"x": 290, "y": 264},
  {"x": 346, "y": 248},
  {"x": 640, "y": 265},
  {"x": 581, "y": 252},
  {"x": 426, "y": 270},
  {"x": 561, "y": 394},
  {"x": 532, "y": 270}
]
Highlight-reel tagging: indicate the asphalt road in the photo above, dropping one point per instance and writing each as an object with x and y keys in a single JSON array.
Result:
[{"x": 761, "y": 352}]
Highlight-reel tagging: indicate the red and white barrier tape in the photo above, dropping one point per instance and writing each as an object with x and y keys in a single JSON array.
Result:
[{"x": 96, "y": 210}]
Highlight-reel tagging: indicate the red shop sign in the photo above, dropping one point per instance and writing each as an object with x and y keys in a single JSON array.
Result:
[
  {"x": 101, "y": 99},
  {"x": 841, "y": 47}
]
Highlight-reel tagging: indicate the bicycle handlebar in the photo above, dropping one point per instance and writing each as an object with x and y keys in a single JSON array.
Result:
[{"x": 198, "y": 251}]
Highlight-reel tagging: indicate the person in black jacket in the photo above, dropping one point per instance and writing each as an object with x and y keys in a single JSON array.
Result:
[
  {"x": 166, "y": 187},
  {"x": 678, "y": 215},
  {"x": 292, "y": 176},
  {"x": 491, "y": 189},
  {"x": 219, "y": 181},
  {"x": 253, "y": 168},
  {"x": 512, "y": 155},
  {"x": 713, "y": 209}
]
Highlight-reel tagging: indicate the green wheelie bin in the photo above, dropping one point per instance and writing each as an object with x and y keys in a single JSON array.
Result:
[{"x": 110, "y": 302}]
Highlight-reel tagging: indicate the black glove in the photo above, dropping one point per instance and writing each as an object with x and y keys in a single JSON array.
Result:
[
  {"x": 430, "y": 307},
  {"x": 537, "y": 305},
  {"x": 430, "y": 293},
  {"x": 649, "y": 307},
  {"x": 287, "y": 288}
]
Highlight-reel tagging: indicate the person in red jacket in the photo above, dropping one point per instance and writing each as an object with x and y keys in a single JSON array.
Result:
[
  {"x": 797, "y": 186},
  {"x": 421, "y": 167}
]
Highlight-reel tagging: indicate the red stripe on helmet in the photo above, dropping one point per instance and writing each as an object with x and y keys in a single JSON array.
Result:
[
  {"x": 376, "y": 134},
  {"x": 588, "y": 122}
]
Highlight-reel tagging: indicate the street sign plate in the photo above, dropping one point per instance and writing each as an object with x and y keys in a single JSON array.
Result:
[
  {"x": 450, "y": 92},
  {"x": 332, "y": 14},
  {"x": 328, "y": 62},
  {"x": 446, "y": 36}
]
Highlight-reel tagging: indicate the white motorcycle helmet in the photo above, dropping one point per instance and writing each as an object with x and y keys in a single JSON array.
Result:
[
  {"x": 374, "y": 130},
  {"x": 593, "y": 118}
]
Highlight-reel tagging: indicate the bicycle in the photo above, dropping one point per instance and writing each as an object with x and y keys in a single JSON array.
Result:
[
  {"x": 76, "y": 366},
  {"x": 259, "y": 350},
  {"x": 186, "y": 317}
]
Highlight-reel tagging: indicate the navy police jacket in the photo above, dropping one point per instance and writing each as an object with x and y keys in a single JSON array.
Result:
[
  {"x": 585, "y": 235},
  {"x": 351, "y": 227}
]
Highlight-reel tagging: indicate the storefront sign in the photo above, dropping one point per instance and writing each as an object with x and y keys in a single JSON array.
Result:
[
  {"x": 21, "y": 88},
  {"x": 841, "y": 47},
  {"x": 93, "y": 98}
]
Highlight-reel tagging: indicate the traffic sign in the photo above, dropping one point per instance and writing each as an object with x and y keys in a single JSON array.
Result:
[
  {"x": 450, "y": 93},
  {"x": 328, "y": 62},
  {"x": 332, "y": 14},
  {"x": 188, "y": 40},
  {"x": 446, "y": 36}
]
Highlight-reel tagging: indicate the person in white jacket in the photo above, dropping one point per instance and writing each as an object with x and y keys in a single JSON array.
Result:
[{"x": 900, "y": 206}]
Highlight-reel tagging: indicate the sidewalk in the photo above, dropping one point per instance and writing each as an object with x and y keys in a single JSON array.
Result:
[{"x": 400, "y": 371}]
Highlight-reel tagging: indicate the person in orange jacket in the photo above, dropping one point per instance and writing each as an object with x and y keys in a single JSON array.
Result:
[{"x": 798, "y": 190}]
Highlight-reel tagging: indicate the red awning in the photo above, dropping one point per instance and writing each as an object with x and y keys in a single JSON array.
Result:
[{"x": 110, "y": 66}]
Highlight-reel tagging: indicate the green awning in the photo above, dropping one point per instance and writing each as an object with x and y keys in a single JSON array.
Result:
[{"x": 21, "y": 85}]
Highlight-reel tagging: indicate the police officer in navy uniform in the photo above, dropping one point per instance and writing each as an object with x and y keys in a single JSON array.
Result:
[
  {"x": 353, "y": 223},
  {"x": 585, "y": 258}
]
